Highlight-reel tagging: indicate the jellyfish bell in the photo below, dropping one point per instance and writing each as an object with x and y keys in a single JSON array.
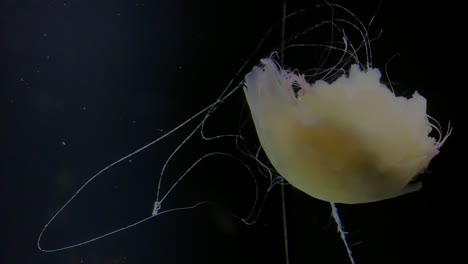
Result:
[{"x": 348, "y": 141}]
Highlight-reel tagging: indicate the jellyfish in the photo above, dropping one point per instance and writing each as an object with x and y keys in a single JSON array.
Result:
[{"x": 348, "y": 139}]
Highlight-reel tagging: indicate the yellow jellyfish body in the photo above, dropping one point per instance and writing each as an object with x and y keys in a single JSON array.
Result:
[{"x": 349, "y": 141}]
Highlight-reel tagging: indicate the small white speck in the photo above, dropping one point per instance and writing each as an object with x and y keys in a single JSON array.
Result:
[
  {"x": 130, "y": 161},
  {"x": 83, "y": 108},
  {"x": 64, "y": 143},
  {"x": 117, "y": 14},
  {"x": 45, "y": 34}
]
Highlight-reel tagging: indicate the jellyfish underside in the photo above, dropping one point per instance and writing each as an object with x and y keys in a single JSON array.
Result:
[{"x": 350, "y": 141}]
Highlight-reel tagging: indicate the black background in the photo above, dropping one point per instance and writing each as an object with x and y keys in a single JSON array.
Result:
[{"x": 85, "y": 82}]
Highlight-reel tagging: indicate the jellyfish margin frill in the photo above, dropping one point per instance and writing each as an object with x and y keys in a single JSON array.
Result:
[{"x": 349, "y": 141}]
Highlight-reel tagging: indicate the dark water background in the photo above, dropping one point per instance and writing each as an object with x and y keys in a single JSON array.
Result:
[{"x": 83, "y": 83}]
